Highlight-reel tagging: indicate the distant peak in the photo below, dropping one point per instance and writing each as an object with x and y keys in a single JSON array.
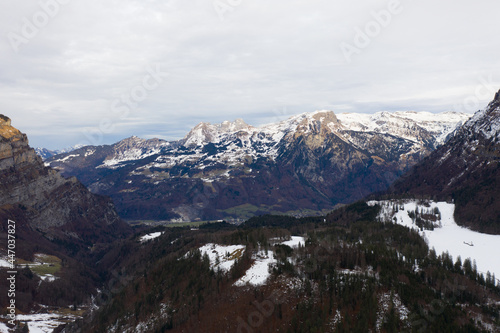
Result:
[
  {"x": 206, "y": 132},
  {"x": 237, "y": 125},
  {"x": 132, "y": 138},
  {"x": 130, "y": 141},
  {"x": 325, "y": 113}
]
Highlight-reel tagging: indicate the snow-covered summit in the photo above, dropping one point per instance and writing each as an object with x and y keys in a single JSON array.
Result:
[
  {"x": 487, "y": 121},
  {"x": 204, "y": 133},
  {"x": 410, "y": 125}
]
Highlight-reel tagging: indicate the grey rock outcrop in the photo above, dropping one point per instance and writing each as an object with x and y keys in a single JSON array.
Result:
[{"x": 59, "y": 207}]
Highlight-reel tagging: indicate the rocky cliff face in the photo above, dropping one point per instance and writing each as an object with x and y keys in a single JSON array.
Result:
[
  {"x": 61, "y": 209},
  {"x": 466, "y": 169},
  {"x": 309, "y": 162}
]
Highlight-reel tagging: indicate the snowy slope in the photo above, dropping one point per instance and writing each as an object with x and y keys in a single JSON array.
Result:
[
  {"x": 258, "y": 273},
  {"x": 448, "y": 236},
  {"x": 406, "y": 124},
  {"x": 132, "y": 149},
  {"x": 222, "y": 257}
]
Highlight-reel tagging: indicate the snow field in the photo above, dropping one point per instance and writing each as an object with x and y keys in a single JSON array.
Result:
[
  {"x": 150, "y": 236},
  {"x": 295, "y": 241},
  {"x": 40, "y": 322},
  {"x": 258, "y": 274},
  {"x": 458, "y": 241}
]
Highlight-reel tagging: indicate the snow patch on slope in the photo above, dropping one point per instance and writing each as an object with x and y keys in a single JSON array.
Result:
[
  {"x": 150, "y": 236},
  {"x": 129, "y": 155},
  {"x": 45, "y": 322},
  {"x": 405, "y": 124},
  {"x": 486, "y": 122},
  {"x": 222, "y": 257},
  {"x": 258, "y": 274},
  {"x": 4, "y": 263}
]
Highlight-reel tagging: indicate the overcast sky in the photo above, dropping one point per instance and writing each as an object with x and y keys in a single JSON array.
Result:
[{"x": 94, "y": 72}]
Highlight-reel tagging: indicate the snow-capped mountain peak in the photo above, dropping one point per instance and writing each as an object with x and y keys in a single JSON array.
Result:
[
  {"x": 208, "y": 133},
  {"x": 415, "y": 126},
  {"x": 487, "y": 121},
  {"x": 316, "y": 122}
]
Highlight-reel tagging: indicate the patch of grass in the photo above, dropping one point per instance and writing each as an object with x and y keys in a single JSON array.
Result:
[
  {"x": 247, "y": 211},
  {"x": 44, "y": 264},
  {"x": 189, "y": 224},
  {"x": 152, "y": 223},
  {"x": 237, "y": 254}
]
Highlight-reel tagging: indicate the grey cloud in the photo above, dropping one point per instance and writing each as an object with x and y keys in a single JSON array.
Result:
[{"x": 262, "y": 58}]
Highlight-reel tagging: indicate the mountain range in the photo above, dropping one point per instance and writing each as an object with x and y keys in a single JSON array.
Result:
[
  {"x": 45, "y": 153},
  {"x": 308, "y": 163}
]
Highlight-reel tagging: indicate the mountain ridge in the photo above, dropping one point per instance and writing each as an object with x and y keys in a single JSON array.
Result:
[
  {"x": 309, "y": 162},
  {"x": 466, "y": 170}
]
